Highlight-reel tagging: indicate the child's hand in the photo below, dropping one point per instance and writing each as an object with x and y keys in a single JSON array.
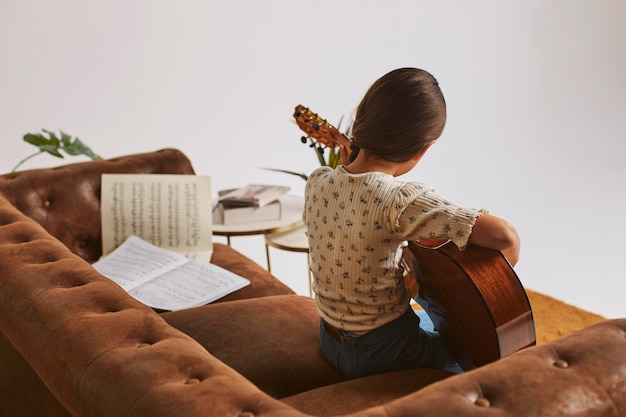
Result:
[
  {"x": 343, "y": 143},
  {"x": 496, "y": 233}
]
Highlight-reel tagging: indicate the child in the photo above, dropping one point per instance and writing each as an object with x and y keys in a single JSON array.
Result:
[{"x": 359, "y": 217}]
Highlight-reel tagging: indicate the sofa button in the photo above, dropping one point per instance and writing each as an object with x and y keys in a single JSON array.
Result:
[
  {"x": 560, "y": 363},
  {"x": 482, "y": 402}
]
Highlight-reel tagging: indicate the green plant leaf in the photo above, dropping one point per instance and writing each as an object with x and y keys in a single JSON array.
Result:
[
  {"x": 299, "y": 174},
  {"x": 334, "y": 158},
  {"x": 65, "y": 138},
  {"x": 49, "y": 145},
  {"x": 77, "y": 147},
  {"x": 53, "y": 145}
]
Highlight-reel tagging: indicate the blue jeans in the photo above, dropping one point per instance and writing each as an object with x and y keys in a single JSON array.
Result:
[{"x": 401, "y": 344}]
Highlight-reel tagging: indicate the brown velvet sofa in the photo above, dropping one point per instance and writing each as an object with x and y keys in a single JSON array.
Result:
[{"x": 74, "y": 343}]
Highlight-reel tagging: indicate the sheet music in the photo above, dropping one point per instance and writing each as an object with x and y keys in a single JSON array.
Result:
[
  {"x": 192, "y": 284},
  {"x": 136, "y": 261},
  {"x": 167, "y": 210},
  {"x": 164, "y": 279}
]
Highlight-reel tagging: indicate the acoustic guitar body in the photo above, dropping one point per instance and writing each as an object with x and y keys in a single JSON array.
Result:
[{"x": 475, "y": 300}]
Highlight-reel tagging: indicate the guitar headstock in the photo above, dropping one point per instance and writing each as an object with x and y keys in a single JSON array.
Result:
[{"x": 318, "y": 128}]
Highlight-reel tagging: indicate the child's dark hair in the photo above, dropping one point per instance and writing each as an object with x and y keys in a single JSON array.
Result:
[{"x": 402, "y": 112}]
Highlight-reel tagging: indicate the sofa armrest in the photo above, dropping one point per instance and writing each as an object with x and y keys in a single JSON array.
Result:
[
  {"x": 98, "y": 350},
  {"x": 583, "y": 374}
]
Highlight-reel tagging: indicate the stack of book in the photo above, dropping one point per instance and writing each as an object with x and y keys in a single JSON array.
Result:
[{"x": 252, "y": 203}]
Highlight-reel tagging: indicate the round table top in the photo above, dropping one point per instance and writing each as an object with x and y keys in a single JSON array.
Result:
[
  {"x": 294, "y": 240},
  {"x": 291, "y": 218}
]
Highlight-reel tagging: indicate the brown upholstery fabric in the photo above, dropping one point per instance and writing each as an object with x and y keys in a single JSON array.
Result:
[
  {"x": 580, "y": 375},
  {"x": 262, "y": 283},
  {"x": 74, "y": 343},
  {"x": 49, "y": 195},
  {"x": 282, "y": 330},
  {"x": 356, "y": 395},
  {"x": 100, "y": 352},
  {"x": 22, "y": 392}
]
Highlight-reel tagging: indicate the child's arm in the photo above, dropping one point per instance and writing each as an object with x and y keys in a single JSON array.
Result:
[{"x": 496, "y": 233}]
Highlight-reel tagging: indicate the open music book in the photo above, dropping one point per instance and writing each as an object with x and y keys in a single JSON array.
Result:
[
  {"x": 157, "y": 240},
  {"x": 168, "y": 210},
  {"x": 164, "y": 279}
]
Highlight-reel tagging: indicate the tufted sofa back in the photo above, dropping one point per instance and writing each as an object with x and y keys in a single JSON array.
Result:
[
  {"x": 99, "y": 351},
  {"x": 66, "y": 200}
]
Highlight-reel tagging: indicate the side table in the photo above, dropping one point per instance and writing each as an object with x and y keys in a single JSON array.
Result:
[{"x": 290, "y": 218}]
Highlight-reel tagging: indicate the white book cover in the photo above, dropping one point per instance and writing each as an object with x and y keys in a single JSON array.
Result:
[
  {"x": 253, "y": 195},
  {"x": 242, "y": 215}
]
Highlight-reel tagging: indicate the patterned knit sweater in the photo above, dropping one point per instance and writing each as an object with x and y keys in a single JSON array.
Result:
[{"x": 357, "y": 225}]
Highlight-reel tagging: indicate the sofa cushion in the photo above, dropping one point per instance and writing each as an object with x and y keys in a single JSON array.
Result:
[
  {"x": 262, "y": 283},
  {"x": 272, "y": 341},
  {"x": 361, "y": 393}
]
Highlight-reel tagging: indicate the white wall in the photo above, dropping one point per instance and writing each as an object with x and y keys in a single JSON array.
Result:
[{"x": 536, "y": 94}]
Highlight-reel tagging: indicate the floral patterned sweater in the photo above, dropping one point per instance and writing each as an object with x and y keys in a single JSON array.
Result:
[{"x": 357, "y": 226}]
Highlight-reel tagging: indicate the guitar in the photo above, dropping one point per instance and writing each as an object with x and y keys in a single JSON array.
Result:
[
  {"x": 319, "y": 129},
  {"x": 473, "y": 297}
]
